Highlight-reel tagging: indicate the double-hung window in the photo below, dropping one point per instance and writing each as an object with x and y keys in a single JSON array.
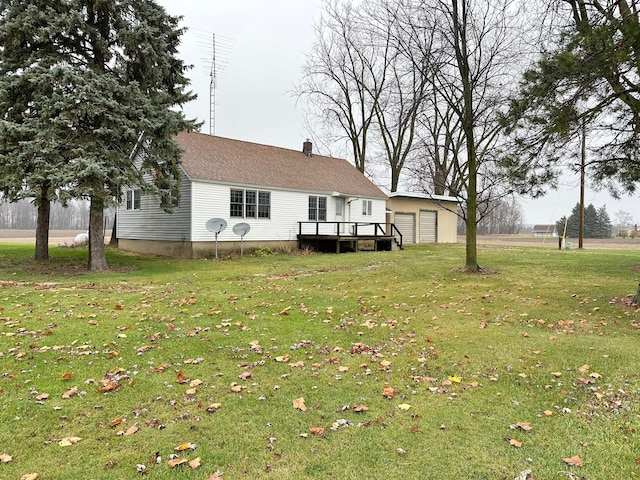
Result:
[
  {"x": 250, "y": 204},
  {"x": 317, "y": 208},
  {"x": 366, "y": 207},
  {"x": 133, "y": 199}
]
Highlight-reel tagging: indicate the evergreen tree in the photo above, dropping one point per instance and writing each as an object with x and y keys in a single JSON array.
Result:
[
  {"x": 590, "y": 222},
  {"x": 596, "y": 223},
  {"x": 86, "y": 88},
  {"x": 604, "y": 223}
]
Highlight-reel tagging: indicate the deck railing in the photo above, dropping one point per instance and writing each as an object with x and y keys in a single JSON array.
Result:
[{"x": 350, "y": 229}]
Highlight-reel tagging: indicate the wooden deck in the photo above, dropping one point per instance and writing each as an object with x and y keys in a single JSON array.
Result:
[{"x": 341, "y": 237}]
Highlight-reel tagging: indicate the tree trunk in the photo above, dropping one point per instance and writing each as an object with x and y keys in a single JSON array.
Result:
[
  {"x": 636, "y": 298},
  {"x": 42, "y": 224},
  {"x": 97, "y": 257},
  {"x": 114, "y": 231}
]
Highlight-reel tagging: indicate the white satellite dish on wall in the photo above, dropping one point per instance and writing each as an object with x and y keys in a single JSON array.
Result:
[
  {"x": 216, "y": 226},
  {"x": 241, "y": 229}
]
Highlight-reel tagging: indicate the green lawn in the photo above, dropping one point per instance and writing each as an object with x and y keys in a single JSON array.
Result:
[{"x": 408, "y": 368}]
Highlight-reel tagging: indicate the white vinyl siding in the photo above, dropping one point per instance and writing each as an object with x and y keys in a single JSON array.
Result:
[
  {"x": 150, "y": 222},
  {"x": 287, "y": 209}
]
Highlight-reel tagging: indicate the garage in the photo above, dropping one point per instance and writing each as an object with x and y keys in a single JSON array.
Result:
[
  {"x": 428, "y": 226},
  {"x": 406, "y": 224},
  {"x": 424, "y": 218}
]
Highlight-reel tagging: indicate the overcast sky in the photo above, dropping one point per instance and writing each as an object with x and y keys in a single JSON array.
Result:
[{"x": 261, "y": 49}]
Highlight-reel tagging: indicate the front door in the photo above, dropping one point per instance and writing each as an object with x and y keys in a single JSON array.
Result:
[{"x": 340, "y": 214}]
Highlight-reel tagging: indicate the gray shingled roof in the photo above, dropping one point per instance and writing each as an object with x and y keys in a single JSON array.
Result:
[{"x": 218, "y": 159}]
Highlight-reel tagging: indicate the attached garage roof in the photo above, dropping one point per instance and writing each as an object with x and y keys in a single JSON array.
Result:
[
  {"x": 218, "y": 159},
  {"x": 424, "y": 196}
]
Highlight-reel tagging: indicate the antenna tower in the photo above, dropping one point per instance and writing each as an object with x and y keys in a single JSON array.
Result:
[
  {"x": 212, "y": 89},
  {"x": 216, "y": 49}
]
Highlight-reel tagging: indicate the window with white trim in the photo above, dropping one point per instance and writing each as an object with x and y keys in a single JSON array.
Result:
[
  {"x": 250, "y": 203},
  {"x": 133, "y": 199},
  {"x": 367, "y": 206},
  {"x": 317, "y": 208}
]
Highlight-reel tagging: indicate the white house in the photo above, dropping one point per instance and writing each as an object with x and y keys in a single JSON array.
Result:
[{"x": 284, "y": 196}]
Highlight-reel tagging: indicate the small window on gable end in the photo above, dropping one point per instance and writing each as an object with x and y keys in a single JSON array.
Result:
[
  {"x": 367, "y": 207},
  {"x": 133, "y": 199},
  {"x": 175, "y": 197}
]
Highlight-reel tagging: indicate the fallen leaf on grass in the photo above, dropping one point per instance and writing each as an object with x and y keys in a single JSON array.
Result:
[
  {"x": 387, "y": 392},
  {"x": 131, "y": 430},
  {"x": 67, "y": 376},
  {"x": 70, "y": 393},
  {"x": 317, "y": 431},
  {"x": 584, "y": 369},
  {"x": 548, "y": 413},
  {"x": 215, "y": 476},
  {"x": 185, "y": 446},
  {"x": 5, "y": 458},
  {"x": 556, "y": 374},
  {"x": 195, "y": 463},
  {"x": 182, "y": 378},
  {"x": 404, "y": 406},
  {"x": 524, "y": 426},
  {"x": 29, "y": 476},
  {"x": 213, "y": 407},
  {"x": 115, "y": 422},
  {"x": 195, "y": 383},
  {"x": 283, "y": 358},
  {"x": 245, "y": 375},
  {"x": 574, "y": 461},
  {"x": 360, "y": 408},
  {"x": 68, "y": 441},
  {"x": 42, "y": 396},
  {"x": 177, "y": 461},
  {"x": 515, "y": 443},
  {"x": 298, "y": 403}
]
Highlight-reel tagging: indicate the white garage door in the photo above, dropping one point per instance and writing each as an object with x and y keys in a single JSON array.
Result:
[
  {"x": 428, "y": 226},
  {"x": 406, "y": 223}
]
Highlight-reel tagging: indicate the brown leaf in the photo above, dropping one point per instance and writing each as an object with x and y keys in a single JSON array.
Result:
[
  {"x": 67, "y": 376},
  {"x": 213, "y": 407},
  {"x": 387, "y": 392},
  {"x": 115, "y": 422},
  {"x": 360, "y": 408},
  {"x": 317, "y": 431},
  {"x": 42, "y": 396},
  {"x": 245, "y": 375},
  {"x": 574, "y": 461},
  {"x": 195, "y": 463},
  {"x": 70, "y": 393},
  {"x": 524, "y": 426},
  {"x": 191, "y": 391},
  {"x": 29, "y": 476},
  {"x": 298, "y": 403},
  {"x": 215, "y": 476},
  {"x": 182, "y": 378},
  {"x": 177, "y": 461},
  {"x": 131, "y": 430},
  {"x": 236, "y": 388},
  {"x": 108, "y": 386},
  {"x": 5, "y": 458},
  {"x": 515, "y": 443},
  {"x": 584, "y": 369}
]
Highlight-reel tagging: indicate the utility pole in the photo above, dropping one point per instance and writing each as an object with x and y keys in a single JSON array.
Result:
[{"x": 583, "y": 156}]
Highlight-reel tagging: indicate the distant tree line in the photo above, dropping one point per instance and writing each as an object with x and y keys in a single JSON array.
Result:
[
  {"x": 597, "y": 223},
  {"x": 23, "y": 214}
]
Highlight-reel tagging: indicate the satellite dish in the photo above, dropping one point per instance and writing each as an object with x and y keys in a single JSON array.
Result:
[
  {"x": 241, "y": 229},
  {"x": 216, "y": 225}
]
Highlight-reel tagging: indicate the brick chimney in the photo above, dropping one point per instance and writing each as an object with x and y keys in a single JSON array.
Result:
[{"x": 307, "y": 148}]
